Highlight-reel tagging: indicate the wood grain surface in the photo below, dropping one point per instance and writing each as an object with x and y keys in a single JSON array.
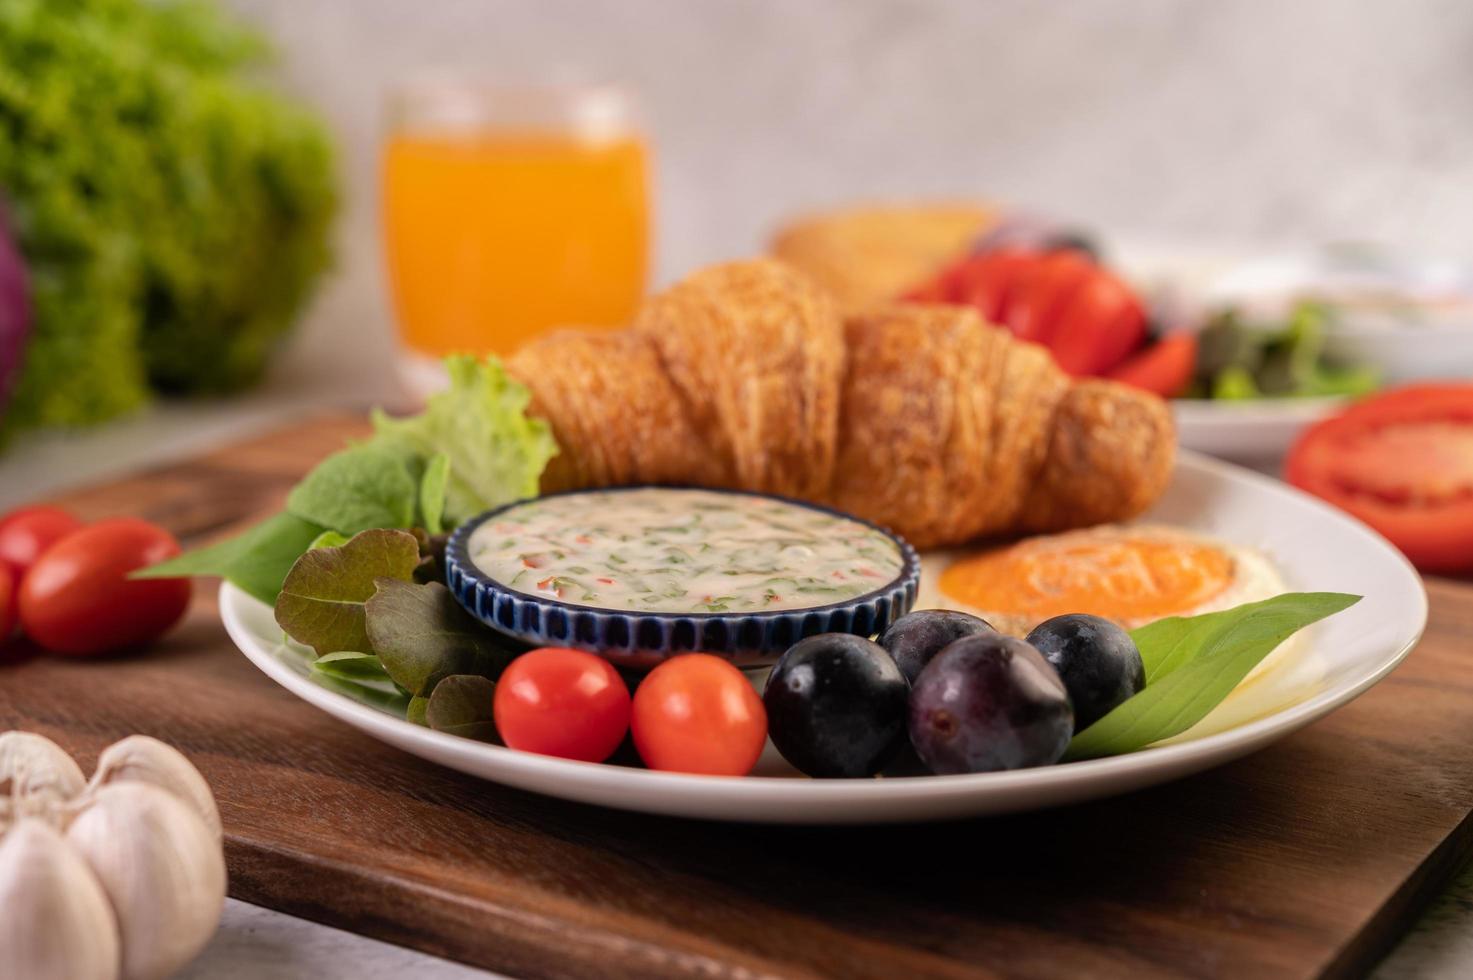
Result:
[{"x": 1304, "y": 860}]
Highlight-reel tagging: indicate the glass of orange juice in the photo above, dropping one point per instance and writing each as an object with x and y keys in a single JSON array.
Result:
[{"x": 508, "y": 211}]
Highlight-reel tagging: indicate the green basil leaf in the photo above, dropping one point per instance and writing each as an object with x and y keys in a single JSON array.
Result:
[
  {"x": 1193, "y": 663},
  {"x": 432, "y": 492},
  {"x": 422, "y": 635},
  {"x": 415, "y": 712},
  {"x": 461, "y": 705},
  {"x": 256, "y": 560},
  {"x": 350, "y": 666},
  {"x": 356, "y": 489},
  {"x": 322, "y": 600}
]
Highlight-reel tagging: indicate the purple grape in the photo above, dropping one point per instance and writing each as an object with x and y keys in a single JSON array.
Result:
[
  {"x": 836, "y": 706},
  {"x": 989, "y": 702},
  {"x": 916, "y": 637},
  {"x": 1096, "y": 659}
]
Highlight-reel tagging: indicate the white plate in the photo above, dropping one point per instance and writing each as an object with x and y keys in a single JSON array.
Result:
[
  {"x": 1250, "y": 431},
  {"x": 1315, "y": 546}
]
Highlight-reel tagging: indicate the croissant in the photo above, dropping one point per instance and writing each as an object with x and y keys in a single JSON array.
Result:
[{"x": 919, "y": 417}]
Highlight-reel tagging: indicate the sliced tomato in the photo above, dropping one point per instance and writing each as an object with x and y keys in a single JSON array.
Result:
[
  {"x": 1100, "y": 324},
  {"x": 1401, "y": 461},
  {"x": 1165, "y": 367},
  {"x": 1042, "y": 290},
  {"x": 989, "y": 281}
]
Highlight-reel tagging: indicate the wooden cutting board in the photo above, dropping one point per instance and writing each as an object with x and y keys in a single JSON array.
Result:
[{"x": 1304, "y": 860}]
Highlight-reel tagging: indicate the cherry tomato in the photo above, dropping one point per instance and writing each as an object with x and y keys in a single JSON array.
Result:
[
  {"x": 1402, "y": 461},
  {"x": 1165, "y": 367},
  {"x": 7, "y": 603},
  {"x": 27, "y": 532},
  {"x": 77, "y": 598},
  {"x": 567, "y": 703},
  {"x": 1098, "y": 325},
  {"x": 698, "y": 713}
]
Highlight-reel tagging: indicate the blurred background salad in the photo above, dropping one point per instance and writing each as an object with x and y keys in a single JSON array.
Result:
[{"x": 168, "y": 210}]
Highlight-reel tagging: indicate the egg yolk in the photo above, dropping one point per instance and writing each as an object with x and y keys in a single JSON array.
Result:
[{"x": 1132, "y": 577}]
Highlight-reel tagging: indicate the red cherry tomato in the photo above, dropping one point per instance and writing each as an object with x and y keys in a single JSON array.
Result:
[
  {"x": 1098, "y": 326},
  {"x": 698, "y": 713},
  {"x": 77, "y": 598},
  {"x": 1402, "y": 461},
  {"x": 1165, "y": 367},
  {"x": 27, "y": 532},
  {"x": 567, "y": 703},
  {"x": 7, "y": 603}
]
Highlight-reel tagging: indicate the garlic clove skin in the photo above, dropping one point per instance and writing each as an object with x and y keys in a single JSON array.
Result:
[
  {"x": 36, "y": 776},
  {"x": 56, "y": 922},
  {"x": 162, "y": 868},
  {"x": 141, "y": 759}
]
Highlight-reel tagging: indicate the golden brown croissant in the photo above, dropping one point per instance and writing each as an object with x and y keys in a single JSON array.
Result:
[{"x": 921, "y": 418}]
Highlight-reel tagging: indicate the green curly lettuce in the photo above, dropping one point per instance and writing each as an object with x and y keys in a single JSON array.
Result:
[
  {"x": 496, "y": 450},
  {"x": 472, "y": 448},
  {"x": 173, "y": 211}
]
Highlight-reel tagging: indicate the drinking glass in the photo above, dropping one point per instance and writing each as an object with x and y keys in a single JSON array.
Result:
[{"x": 507, "y": 211}]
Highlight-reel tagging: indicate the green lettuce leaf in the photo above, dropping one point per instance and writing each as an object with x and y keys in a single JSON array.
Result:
[
  {"x": 422, "y": 635},
  {"x": 322, "y": 600},
  {"x": 1193, "y": 663},
  {"x": 432, "y": 493},
  {"x": 355, "y": 489},
  {"x": 461, "y": 705},
  {"x": 497, "y": 452},
  {"x": 349, "y": 666},
  {"x": 473, "y": 448},
  {"x": 328, "y": 539},
  {"x": 375, "y": 695}
]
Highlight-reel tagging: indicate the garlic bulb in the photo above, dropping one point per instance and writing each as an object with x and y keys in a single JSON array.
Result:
[
  {"x": 35, "y": 776},
  {"x": 57, "y": 923},
  {"x": 161, "y": 867},
  {"x": 122, "y": 878},
  {"x": 141, "y": 759}
]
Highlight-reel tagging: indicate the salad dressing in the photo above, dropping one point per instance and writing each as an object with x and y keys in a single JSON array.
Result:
[{"x": 667, "y": 550}]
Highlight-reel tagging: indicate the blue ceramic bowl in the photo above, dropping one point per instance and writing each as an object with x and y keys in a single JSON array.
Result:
[{"x": 643, "y": 639}]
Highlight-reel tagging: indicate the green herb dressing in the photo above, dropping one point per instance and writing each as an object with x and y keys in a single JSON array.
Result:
[{"x": 683, "y": 551}]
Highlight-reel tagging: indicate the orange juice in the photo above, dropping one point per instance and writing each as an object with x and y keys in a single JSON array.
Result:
[{"x": 494, "y": 236}]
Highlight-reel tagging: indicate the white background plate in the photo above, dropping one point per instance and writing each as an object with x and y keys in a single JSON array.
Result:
[
  {"x": 1251, "y": 431},
  {"x": 1317, "y": 548}
]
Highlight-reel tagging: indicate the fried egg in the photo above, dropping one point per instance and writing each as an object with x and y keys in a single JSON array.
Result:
[{"x": 1130, "y": 574}]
